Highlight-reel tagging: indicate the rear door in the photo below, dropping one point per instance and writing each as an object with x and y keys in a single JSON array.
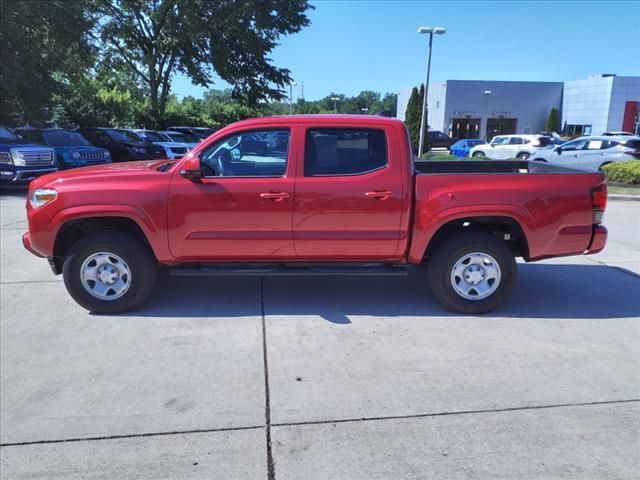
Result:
[{"x": 349, "y": 192}]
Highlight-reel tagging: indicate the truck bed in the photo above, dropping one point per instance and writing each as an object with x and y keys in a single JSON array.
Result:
[{"x": 424, "y": 167}]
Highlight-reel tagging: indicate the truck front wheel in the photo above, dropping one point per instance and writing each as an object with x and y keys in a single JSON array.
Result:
[
  {"x": 472, "y": 273},
  {"x": 109, "y": 272}
]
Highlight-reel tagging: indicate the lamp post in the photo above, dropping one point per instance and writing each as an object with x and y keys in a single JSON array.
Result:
[
  {"x": 485, "y": 99},
  {"x": 335, "y": 104},
  {"x": 423, "y": 122},
  {"x": 291, "y": 85}
]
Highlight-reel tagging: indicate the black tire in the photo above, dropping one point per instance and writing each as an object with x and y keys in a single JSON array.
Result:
[
  {"x": 523, "y": 156},
  {"x": 478, "y": 154},
  {"x": 140, "y": 260},
  {"x": 445, "y": 257}
]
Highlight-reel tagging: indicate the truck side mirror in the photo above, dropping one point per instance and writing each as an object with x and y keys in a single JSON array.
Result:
[
  {"x": 558, "y": 149},
  {"x": 191, "y": 168}
]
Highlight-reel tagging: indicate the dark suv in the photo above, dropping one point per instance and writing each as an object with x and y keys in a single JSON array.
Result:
[
  {"x": 437, "y": 139},
  {"x": 71, "y": 149},
  {"x": 197, "y": 132},
  {"x": 123, "y": 145}
]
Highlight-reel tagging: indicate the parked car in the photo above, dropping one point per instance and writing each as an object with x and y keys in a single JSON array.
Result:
[
  {"x": 198, "y": 132},
  {"x": 348, "y": 201},
  {"x": 503, "y": 147},
  {"x": 618, "y": 134},
  {"x": 592, "y": 153},
  {"x": 461, "y": 147},
  {"x": 122, "y": 144},
  {"x": 437, "y": 139},
  {"x": 70, "y": 148},
  {"x": 180, "y": 137},
  {"x": 172, "y": 149},
  {"x": 22, "y": 161}
]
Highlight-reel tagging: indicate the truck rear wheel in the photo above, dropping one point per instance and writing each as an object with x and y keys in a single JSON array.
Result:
[
  {"x": 473, "y": 272},
  {"x": 109, "y": 272}
]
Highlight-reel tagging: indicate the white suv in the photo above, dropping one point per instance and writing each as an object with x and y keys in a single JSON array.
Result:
[
  {"x": 503, "y": 147},
  {"x": 592, "y": 153}
]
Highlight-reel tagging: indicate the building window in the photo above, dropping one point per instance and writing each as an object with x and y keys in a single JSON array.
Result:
[{"x": 578, "y": 130}]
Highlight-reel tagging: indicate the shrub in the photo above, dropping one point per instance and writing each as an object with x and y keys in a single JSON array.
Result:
[{"x": 623, "y": 172}]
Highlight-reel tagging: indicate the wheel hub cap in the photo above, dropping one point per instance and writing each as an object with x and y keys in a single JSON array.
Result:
[
  {"x": 475, "y": 276},
  {"x": 105, "y": 276}
]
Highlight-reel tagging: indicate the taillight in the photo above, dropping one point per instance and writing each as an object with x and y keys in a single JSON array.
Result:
[{"x": 599, "y": 202}]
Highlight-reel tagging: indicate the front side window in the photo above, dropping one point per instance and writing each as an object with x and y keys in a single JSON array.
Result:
[
  {"x": 575, "y": 145},
  {"x": 500, "y": 141},
  {"x": 344, "y": 151},
  {"x": 255, "y": 153}
]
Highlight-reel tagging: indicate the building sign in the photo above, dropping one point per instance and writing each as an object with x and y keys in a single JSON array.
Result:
[
  {"x": 501, "y": 114},
  {"x": 464, "y": 113}
]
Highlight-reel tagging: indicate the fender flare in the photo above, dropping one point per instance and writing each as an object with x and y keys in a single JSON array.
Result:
[{"x": 425, "y": 232}]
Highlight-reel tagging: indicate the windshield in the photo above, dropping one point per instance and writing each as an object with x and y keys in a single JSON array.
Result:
[
  {"x": 181, "y": 137},
  {"x": 61, "y": 138},
  {"x": 124, "y": 135},
  {"x": 6, "y": 134},
  {"x": 150, "y": 136}
]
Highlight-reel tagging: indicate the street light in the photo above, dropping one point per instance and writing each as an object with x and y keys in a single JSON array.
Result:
[
  {"x": 423, "y": 123},
  {"x": 291, "y": 85},
  {"x": 335, "y": 104},
  {"x": 485, "y": 99}
]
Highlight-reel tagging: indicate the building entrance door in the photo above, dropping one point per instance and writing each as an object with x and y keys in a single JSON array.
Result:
[
  {"x": 500, "y": 126},
  {"x": 465, "y": 127}
]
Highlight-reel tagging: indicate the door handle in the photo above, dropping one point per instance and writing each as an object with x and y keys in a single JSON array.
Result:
[
  {"x": 577, "y": 155},
  {"x": 379, "y": 194},
  {"x": 275, "y": 196}
]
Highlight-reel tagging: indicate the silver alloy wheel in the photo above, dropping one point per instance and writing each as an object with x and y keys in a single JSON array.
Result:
[
  {"x": 105, "y": 276},
  {"x": 475, "y": 276}
]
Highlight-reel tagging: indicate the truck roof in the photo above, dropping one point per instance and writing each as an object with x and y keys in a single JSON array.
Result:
[{"x": 323, "y": 118}]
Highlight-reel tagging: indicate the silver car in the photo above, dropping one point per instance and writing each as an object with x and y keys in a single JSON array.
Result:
[{"x": 591, "y": 153}]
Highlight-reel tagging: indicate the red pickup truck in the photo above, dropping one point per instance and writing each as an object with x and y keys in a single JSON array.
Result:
[{"x": 310, "y": 195}]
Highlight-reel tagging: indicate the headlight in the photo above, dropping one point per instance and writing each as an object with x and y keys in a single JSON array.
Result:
[
  {"x": 106, "y": 154},
  {"x": 5, "y": 157},
  {"x": 75, "y": 155},
  {"x": 42, "y": 196}
]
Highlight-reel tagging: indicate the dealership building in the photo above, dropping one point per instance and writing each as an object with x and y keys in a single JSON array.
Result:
[{"x": 484, "y": 108}]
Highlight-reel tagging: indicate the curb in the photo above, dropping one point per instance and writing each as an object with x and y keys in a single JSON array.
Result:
[{"x": 629, "y": 198}]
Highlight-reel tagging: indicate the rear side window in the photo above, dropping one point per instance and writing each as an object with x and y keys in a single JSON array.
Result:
[
  {"x": 516, "y": 141},
  {"x": 632, "y": 144},
  {"x": 344, "y": 151}
]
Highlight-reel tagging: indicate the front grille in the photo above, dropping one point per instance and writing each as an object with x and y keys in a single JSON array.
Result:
[
  {"x": 92, "y": 156},
  {"x": 36, "y": 158}
]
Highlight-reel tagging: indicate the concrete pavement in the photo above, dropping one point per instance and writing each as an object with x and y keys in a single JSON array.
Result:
[{"x": 364, "y": 378}]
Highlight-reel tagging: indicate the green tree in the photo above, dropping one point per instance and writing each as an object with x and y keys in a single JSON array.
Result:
[
  {"x": 553, "y": 122},
  {"x": 200, "y": 38},
  {"x": 60, "y": 117},
  {"x": 44, "y": 45},
  {"x": 413, "y": 116}
]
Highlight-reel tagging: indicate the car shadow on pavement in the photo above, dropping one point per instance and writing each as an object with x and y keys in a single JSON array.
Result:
[{"x": 543, "y": 291}]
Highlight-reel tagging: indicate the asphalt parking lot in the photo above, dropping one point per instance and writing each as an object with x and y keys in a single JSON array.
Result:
[{"x": 324, "y": 378}]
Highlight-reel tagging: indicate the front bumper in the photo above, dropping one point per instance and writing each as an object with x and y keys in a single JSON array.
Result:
[
  {"x": 26, "y": 241},
  {"x": 23, "y": 175},
  {"x": 598, "y": 240}
]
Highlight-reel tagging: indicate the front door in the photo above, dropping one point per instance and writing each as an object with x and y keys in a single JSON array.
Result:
[
  {"x": 348, "y": 200},
  {"x": 242, "y": 207}
]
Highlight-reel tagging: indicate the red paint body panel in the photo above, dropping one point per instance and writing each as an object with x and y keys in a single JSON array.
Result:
[
  {"x": 629, "y": 118},
  {"x": 336, "y": 218}
]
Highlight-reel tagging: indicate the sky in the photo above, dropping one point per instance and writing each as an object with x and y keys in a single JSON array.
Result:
[{"x": 352, "y": 46}]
